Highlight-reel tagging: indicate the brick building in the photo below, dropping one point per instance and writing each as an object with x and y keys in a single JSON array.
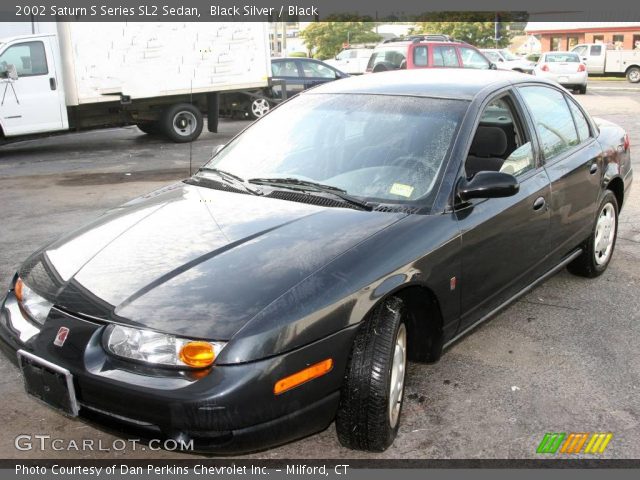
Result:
[{"x": 565, "y": 35}]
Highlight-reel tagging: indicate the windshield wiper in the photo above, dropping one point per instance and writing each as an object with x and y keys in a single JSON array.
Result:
[
  {"x": 231, "y": 179},
  {"x": 305, "y": 185}
]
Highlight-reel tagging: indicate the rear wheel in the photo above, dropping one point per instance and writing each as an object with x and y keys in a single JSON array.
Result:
[
  {"x": 371, "y": 399},
  {"x": 182, "y": 122},
  {"x": 583, "y": 89},
  {"x": 633, "y": 74},
  {"x": 598, "y": 249}
]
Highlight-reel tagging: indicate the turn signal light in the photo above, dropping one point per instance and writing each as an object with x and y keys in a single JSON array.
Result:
[
  {"x": 314, "y": 371},
  {"x": 544, "y": 67},
  {"x": 18, "y": 289},
  {"x": 582, "y": 67},
  {"x": 197, "y": 354}
]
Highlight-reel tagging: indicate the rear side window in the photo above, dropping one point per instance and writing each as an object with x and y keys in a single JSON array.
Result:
[
  {"x": 473, "y": 59},
  {"x": 445, "y": 56},
  {"x": 29, "y": 58},
  {"x": 553, "y": 119},
  {"x": 420, "y": 56},
  {"x": 581, "y": 122},
  {"x": 288, "y": 68}
]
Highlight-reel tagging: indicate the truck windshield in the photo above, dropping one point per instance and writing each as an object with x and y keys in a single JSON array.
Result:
[{"x": 374, "y": 147}]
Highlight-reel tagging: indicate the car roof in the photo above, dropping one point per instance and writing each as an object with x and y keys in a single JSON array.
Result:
[{"x": 454, "y": 83}]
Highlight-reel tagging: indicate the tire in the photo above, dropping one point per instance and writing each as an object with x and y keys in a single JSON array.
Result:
[
  {"x": 368, "y": 418},
  {"x": 150, "y": 128},
  {"x": 381, "y": 67},
  {"x": 633, "y": 74},
  {"x": 594, "y": 260},
  {"x": 583, "y": 89},
  {"x": 182, "y": 123},
  {"x": 258, "y": 108}
]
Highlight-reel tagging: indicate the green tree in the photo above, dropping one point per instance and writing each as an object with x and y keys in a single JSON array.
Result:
[
  {"x": 325, "y": 39},
  {"x": 479, "y": 33}
]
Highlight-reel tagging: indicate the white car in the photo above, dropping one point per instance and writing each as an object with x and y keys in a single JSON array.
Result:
[
  {"x": 352, "y": 60},
  {"x": 566, "y": 68},
  {"x": 505, "y": 60}
]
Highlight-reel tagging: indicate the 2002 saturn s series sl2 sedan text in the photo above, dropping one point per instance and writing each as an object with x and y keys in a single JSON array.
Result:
[{"x": 363, "y": 223}]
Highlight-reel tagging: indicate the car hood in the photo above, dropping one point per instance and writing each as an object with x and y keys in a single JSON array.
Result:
[{"x": 194, "y": 261}]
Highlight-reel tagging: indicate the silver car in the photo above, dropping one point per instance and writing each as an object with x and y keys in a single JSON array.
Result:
[{"x": 565, "y": 68}]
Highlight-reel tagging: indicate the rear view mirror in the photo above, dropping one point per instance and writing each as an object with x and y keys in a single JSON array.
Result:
[{"x": 488, "y": 185}]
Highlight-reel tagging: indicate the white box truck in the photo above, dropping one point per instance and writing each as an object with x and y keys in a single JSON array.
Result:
[
  {"x": 163, "y": 77},
  {"x": 603, "y": 60}
]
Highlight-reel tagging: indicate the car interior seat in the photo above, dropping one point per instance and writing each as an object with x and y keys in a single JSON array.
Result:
[{"x": 487, "y": 150}]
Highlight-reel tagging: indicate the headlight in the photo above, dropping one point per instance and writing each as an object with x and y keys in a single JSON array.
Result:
[
  {"x": 159, "y": 348},
  {"x": 36, "y": 307}
]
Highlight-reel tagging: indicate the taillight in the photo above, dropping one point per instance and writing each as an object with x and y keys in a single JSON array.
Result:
[
  {"x": 582, "y": 67},
  {"x": 544, "y": 67},
  {"x": 627, "y": 142}
]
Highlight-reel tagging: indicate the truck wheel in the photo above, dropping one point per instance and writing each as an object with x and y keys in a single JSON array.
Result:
[
  {"x": 259, "y": 107},
  {"x": 150, "y": 128},
  {"x": 598, "y": 249},
  {"x": 371, "y": 397},
  {"x": 182, "y": 122},
  {"x": 633, "y": 74}
]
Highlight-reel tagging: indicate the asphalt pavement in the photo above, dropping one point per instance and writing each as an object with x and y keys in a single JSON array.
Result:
[{"x": 564, "y": 358}]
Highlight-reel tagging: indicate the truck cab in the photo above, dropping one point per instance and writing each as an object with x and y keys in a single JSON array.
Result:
[
  {"x": 593, "y": 55},
  {"x": 31, "y": 87}
]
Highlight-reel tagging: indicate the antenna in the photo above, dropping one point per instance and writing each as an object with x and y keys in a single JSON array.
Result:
[{"x": 190, "y": 141}]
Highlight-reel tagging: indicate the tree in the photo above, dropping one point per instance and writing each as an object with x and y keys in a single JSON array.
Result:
[
  {"x": 325, "y": 39},
  {"x": 479, "y": 33}
]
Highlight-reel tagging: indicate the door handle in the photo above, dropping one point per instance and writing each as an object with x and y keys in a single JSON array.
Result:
[
  {"x": 52, "y": 83},
  {"x": 539, "y": 203},
  {"x": 593, "y": 168}
]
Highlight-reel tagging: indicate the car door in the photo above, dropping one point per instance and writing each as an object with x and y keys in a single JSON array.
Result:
[
  {"x": 287, "y": 69},
  {"x": 573, "y": 160},
  {"x": 316, "y": 73},
  {"x": 504, "y": 239},
  {"x": 34, "y": 102},
  {"x": 444, "y": 56}
]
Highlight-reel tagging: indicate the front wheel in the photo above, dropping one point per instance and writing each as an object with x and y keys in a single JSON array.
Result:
[
  {"x": 633, "y": 74},
  {"x": 182, "y": 122},
  {"x": 598, "y": 249},
  {"x": 259, "y": 107},
  {"x": 371, "y": 398}
]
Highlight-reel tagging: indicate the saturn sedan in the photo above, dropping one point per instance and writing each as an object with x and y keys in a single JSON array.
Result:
[
  {"x": 566, "y": 68},
  {"x": 363, "y": 224}
]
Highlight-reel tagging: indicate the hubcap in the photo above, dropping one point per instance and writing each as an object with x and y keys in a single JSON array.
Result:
[
  {"x": 398, "y": 370},
  {"x": 260, "y": 107},
  {"x": 634, "y": 75},
  {"x": 184, "y": 123},
  {"x": 605, "y": 234}
]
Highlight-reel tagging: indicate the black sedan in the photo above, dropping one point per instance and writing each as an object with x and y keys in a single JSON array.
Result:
[
  {"x": 291, "y": 74},
  {"x": 365, "y": 223}
]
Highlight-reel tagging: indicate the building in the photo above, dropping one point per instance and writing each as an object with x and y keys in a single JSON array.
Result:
[{"x": 565, "y": 35}]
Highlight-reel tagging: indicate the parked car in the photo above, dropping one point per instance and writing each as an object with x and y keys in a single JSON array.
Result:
[
  {"x": 426, "y": 51},
  {"x": 298, "y": 75},
  {"x": 351, "y": 60},
  {"x": 365, "y": 223},
  {"x": 601, "y": 60},
  {"x": 564, "y": 68},
  {"x": 505, "y": 60}
]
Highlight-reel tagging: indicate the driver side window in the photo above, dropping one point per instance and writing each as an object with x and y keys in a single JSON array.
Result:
[{"x": 500, "y": 143}]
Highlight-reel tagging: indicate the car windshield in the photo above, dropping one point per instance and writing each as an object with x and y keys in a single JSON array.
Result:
[
  {"x": 374, "y": 147},
  {"x": 562, "y": 57},
  {"x": 508, "y": 55}
]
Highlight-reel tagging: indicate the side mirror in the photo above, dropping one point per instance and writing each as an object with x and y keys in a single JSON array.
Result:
[
  {"x": 501, "y": 59},
  {"x": 584, "y": 59},
  {"x": 487, "y": 185},
  {"x": 9, "y": 71},
  {"x": 216, "y": 149},
  {"x": 493, "y": 66}
]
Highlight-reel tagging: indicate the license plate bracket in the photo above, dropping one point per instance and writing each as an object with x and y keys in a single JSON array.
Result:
[{"x": 48, "y": 383}]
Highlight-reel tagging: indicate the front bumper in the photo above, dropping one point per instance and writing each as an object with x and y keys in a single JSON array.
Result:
[{"x": 225, "y": 409}]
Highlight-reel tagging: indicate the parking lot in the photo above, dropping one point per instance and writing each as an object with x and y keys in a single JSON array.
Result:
[{"x": 564, "y": 358}]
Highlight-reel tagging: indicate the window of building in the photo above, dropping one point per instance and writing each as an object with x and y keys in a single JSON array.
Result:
[
  {"x": 598, "y": 39},
  {"x": 571, "y": 42},
  {"x": 556, "y": 44},
  {"x": 618, "y": 42}
]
